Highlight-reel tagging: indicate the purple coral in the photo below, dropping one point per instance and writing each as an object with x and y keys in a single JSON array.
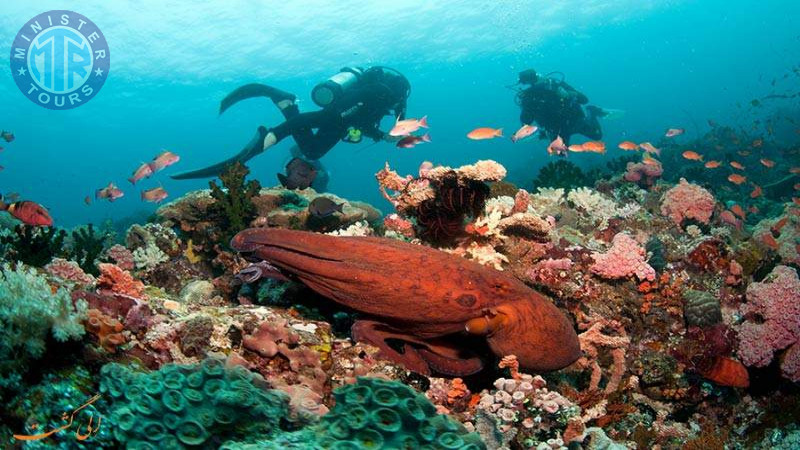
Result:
[{"x": 772, "y": 322}]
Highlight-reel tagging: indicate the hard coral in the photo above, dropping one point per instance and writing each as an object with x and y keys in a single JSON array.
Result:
[
  {"x": 643, "y": 174},
  {"x": 772, "y": 314},
  {"x": 68, "y": 271},
  {"x": 624, "y": 259},
  {"x": 688, "y": 201}
]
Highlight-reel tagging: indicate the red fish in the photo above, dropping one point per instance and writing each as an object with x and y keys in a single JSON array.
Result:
[
  {"x": 712, "y": 164},
  {"x": 650, "y": 148},
  {"x": 591, "y": 146},
  {"x": 144, "y": 171},
  {"x": 777, "y": 226},
  {"x": 523, "y": 132},
  {"x": 736, "y": 165},
  {"x": 30, "y": 213},
  {"x": 728, "y": 217},
  {"x": 408, "y": 126},
  {"x": 163, "y": 160},
  {"x": 770, "y": 241},
  {"x": 156, "y": 195},
  {"x": 767, "y": 162},
  {"x": 757, "y": 143},
  {"x": 557, "y": 147},
  {"x": 111, "y": 192},
  {"x": 482, "y": 133},
  {"x": 692, "y": 155},
  {"x": 628, "y": 145},
  {"x": 411, "y": 141},
  {"x": 757, "y": 191}
]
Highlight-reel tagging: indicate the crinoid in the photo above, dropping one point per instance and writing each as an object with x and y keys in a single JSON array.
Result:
[{"x": 441, "y": 219}]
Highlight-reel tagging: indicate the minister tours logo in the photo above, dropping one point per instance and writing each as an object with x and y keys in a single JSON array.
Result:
[{"x": 60, "y": 59}]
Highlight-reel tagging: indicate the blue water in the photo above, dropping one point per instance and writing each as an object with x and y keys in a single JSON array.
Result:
[{"x": 666, "y": 63}]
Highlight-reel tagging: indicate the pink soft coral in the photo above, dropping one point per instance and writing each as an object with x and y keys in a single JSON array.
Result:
[
  {"x": 119, "y": 281},
  {"x": 625, "y": 258},
  {"x": 773, "y": 322},
  {"x": 688, "y": 201}
]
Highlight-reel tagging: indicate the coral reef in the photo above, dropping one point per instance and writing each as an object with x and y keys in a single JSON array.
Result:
[
  {"x": 233, "y": 207},
  {"x": 625, "y": 258},
  {"x": 688, "y": 201}
]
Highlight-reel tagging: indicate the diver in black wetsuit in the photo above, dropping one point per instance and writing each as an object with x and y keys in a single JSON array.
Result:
[
  {"x": 557, "y": 108},
  {"x": 353, "y": 103}
]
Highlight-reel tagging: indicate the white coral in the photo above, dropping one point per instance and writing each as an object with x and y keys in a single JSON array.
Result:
[
  {"x": 360, "y": 228},
  {"x": 148, "y": 257},
  {"x": 597, "y": 206}
]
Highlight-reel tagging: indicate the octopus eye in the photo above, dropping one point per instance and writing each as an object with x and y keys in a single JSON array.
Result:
[{"x": 467, "y": 300}]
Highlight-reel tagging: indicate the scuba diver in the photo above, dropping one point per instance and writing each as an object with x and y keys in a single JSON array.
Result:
[
  {"x": 353, "y": 103},
  {"x": 557, "y": 108}
]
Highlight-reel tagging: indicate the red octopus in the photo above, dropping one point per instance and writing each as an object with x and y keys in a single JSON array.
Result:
[{"x": 419, "y": 296}]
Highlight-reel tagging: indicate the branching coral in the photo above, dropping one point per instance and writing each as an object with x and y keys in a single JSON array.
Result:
[
  {"x": 233, "y": 207},
  {"x": 598, "y": 207},
  {"x": 148, "y": 257},
  {"x": 594, "y": 339},
  {"x": 34, "y": 246}
]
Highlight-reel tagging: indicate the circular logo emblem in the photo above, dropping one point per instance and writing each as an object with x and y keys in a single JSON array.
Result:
[{"x": 60, "y": 59}]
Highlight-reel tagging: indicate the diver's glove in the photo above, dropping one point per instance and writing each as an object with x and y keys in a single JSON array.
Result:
[{"x": 253, "y": 148}]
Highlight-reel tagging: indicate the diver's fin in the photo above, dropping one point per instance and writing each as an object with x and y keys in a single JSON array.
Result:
[
  {"x": 253, "y": 148},
  {"x": 254, "y": 90},
  {"x": 612, "y": 114}
]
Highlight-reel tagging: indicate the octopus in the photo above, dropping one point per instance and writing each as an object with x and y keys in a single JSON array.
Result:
[{"x": 424, "y": 299}]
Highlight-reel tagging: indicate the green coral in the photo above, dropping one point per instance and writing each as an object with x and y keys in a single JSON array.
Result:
[
  {"x": 190, "y": 406},
  {"x": 30, "y": 311},
  {"x": 34, "y": 246},
  {"x": 376, "y": 413},
  {"x": 233, "y": 207},
  {"x": 43, "y": 405},
  {"x": 87, "y": 245},
  {"x": 561, "y": 174}
]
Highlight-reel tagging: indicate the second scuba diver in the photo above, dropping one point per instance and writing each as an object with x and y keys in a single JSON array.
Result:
[
  {"x": 557, "y": 108},
  {"x": 353, "y": 103}
]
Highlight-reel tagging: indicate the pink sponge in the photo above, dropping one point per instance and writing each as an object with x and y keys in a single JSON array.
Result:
[
  {"x": 688, "y": 201},
  {"x": 772, "y": 322},
  {"x": 625, "y": 258}
]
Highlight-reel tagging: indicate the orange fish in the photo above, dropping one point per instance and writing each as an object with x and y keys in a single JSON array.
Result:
[
  {"x": 628, "y": 145},
  {"x": 485, "y": 133},
  {"x": 795, "y": 170},
  {"x": 756, "y": 191},
  {"x": 770, "y": 241},
  {"x": 692, "y": 156},
  {"x": 591, "y": 146},
  {"x": 797, "y": 187},
  {"x": 650, "y": 148},
  {"x": 776, "y": 228},
  {"x": 736, "y": 209},
  {"x": 743, "y": 153},
  {"x": 712, "y": 164},
  {"x": 735, "y": 178},
  {"x": 728, "y": 217},
  {"x": 649, "y": 160},
  {"x": 758, "y": 143},
  {"x": 736, "y": 165},
  {"x": 156, "y": 195},
  {"x": 767, "y": 162}
]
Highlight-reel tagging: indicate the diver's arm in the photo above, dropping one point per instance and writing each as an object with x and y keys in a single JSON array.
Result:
[
  {"x": 373, "y": 133},
  {"x": 400, "y": 111}
]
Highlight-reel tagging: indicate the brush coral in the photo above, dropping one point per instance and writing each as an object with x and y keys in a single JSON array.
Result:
[
  {"x": 688, "y": 201},
  {"x": 772, "y": 323},
  {"x": 625, "y": 258}
]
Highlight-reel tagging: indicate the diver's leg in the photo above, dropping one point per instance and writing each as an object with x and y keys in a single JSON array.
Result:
[
  {"x": 590, "y": 126},
  {"x": 255, "y": 90},
  {"x": 253, "y": 148},
  {"x": 313, "y": 146}
]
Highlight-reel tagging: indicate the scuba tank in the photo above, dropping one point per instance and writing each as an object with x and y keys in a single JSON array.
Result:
[{"x": 334, "y": 87}]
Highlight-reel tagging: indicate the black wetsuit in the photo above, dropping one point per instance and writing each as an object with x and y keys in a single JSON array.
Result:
[
  {"x": 557, "y": 108},
  {"x": 362, "y": 107}
]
